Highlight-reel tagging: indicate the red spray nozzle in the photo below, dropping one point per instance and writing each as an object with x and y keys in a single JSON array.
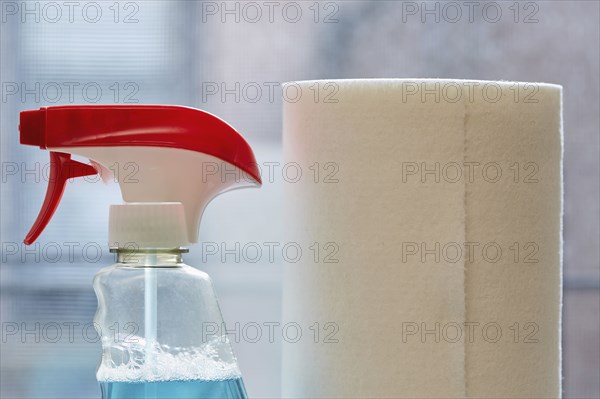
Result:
[
  {"x": 32, "y": 127},
  {"x": 150, "y": 138}
]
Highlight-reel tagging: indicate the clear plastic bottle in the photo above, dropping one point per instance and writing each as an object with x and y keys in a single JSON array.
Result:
[{"x": 162, "y": 330}]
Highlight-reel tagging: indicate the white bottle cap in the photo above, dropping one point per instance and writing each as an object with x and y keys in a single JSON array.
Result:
[{"x": 147, "y": 225}]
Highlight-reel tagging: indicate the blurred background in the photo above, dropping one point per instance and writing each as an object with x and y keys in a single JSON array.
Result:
[{"x": 230, "y": 58}]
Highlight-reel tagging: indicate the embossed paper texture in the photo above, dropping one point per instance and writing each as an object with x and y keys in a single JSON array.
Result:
[{"x": 443, "y": 204}]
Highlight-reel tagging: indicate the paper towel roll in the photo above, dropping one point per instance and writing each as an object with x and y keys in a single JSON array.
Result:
[{"x": 429, "y": 212}]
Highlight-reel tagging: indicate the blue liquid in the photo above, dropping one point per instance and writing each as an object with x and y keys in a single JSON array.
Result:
[{"x": 195, "y": 389}]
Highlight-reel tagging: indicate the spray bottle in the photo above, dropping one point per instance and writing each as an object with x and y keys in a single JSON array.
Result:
[{"x": 158, "y": 318}]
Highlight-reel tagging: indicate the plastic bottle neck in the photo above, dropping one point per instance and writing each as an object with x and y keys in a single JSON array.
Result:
[{"x": 150, "y": 257}]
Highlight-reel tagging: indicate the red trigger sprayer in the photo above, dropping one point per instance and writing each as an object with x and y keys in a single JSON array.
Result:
[{"x": 184, "y": 157}]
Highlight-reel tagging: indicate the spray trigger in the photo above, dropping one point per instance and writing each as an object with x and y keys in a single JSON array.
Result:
[
  {"x": 105, "y": 174},
  {"x": 62, "y": 168}
]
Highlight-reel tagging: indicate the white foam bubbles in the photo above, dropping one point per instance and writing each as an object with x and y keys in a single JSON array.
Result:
[{"x": 140, "y": 361}]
